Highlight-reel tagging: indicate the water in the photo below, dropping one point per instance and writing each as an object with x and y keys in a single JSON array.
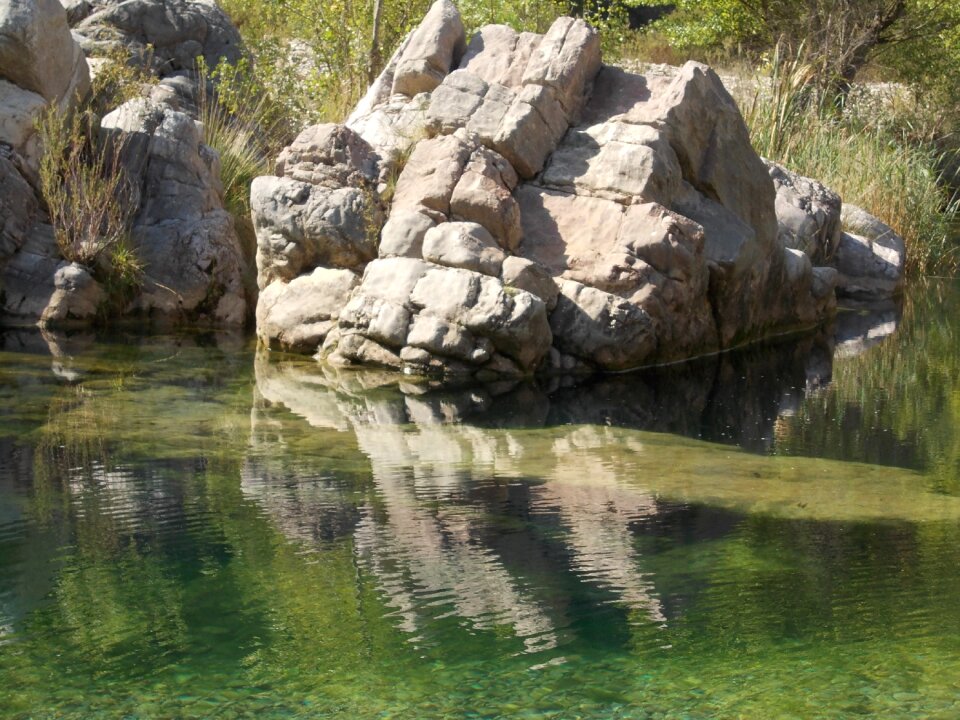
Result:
[{"x": 192, "y": 529}]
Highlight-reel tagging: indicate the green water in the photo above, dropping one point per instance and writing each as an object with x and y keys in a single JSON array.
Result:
[{"x": 191, "y": 529}]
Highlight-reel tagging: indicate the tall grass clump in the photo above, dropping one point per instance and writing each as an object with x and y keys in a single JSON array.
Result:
[
  {"x": 90, "y": 197},
  {"x": 890, "y": 177}
]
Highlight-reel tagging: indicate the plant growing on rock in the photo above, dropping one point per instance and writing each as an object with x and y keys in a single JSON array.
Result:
[{"x": 89, "y": 196}]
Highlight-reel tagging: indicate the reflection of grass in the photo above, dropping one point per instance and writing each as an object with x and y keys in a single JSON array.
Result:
[{"x": 907, "y": 388}]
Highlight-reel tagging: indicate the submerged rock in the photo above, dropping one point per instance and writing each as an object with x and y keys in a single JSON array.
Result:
[{"x": 544, "y": 212}]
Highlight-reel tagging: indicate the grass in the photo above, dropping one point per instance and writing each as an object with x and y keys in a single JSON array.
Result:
[
  {"x": 866, "y": 163},
  {"x": 89, "y": 196}
]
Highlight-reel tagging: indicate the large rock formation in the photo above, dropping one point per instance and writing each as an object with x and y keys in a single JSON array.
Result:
[{"x": 543, "y": 211}]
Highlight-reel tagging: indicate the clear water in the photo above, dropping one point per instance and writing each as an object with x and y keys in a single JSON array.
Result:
[{"x": 192, "y": 529}]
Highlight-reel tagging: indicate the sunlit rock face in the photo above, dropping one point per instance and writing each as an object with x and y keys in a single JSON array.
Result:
[{"x": 536, "y": 210}]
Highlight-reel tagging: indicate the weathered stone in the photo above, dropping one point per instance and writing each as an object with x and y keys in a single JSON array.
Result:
[
  {"x": 38, "y": 53},
  {"x": 604, "y": 329},
  {"x": 380, "y": 320},
  {"x": 513, "y": 320},
  {"x": 301, "y": 226},
  {"x": 499, "y": 54},
  {"x": 431, "y": 174},
  {"x": 885, "y": 241},
  {"x": 298, "y": 315},
  {"x": 403, "y": 233},
  {"x": 808, "y": 213},
  {"x": 868, "y": 270},
  {"x": 618, "y": 161},
  {"x": 26, "y": 279},
  {"x": 169, "y": 34},
  {"x": 446, "y": 339},
  {"x": 530, "y": 129},
  {"x": 19, "y": 112},
  {"x": 76, "y": 296},
  {"x": 484, "y": 195},
  {"x": 194, "y": 266},
  {"x": 18, "y": 204},
  {"x": 527, "y": 275},
  {"x": 434, "y": 47},
  {"x": 463, "y": 245},
  {"x": 329, "y": 155},
  {"x": 393, "y": 279},
  {"x": 566, "y": 60}
]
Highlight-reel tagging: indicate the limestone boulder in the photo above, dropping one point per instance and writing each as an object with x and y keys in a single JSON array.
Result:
[
  {"x": 18, "y": 203},
  {"x": 169, "y": 34},
  {"x": 38, "y": 53},
  {"x": 298, "y": 315},
  {"x": 434, "y": 47},
  {"x": 484, "y": 195},
  {"x": 870, "y": 257},
  {"x": 300, "y": 227},
  {"x": 193, "y": 263},
  {"x": 329, "y": 155},
  {"x": 20, "y": 110},
  {"x": 416, "y": 314},
  {"x": 431, "y": 174},
  {"x": 808, "y": 214},
  {"x": 403, "y": 233},
  {"x": 499, "y": 54},
  {"x": 613, "y": 333},
  {"x": 27, "y": 277},
  {"x": 76, "y": 296},
  {"x": 463, "y": 245}
]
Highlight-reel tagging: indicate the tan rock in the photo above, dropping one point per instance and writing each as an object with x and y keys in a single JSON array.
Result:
[{"x": 434, "y": 47}]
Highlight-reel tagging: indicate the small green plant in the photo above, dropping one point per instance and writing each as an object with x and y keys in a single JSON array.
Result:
[{"x": 89, "y": 196}]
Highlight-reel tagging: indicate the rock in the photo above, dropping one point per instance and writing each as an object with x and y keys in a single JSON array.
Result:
[
  {"x": 26, "y": 279},
  {"x": 403, "y": 233},
  {"x": 194, "y": 266},
  {"x": 463, "y": 245},
  {"x": 77, "y": 10},
  {"x": 808, "y": 214},
  {"x": 566, "y": 60},
  {"x": 484, "y": 195},
  {"x": 18, "y": 204},
  {"x": 499, "y": 54},
  {"x": 870, "y": 257},
  {"x": 607, "y": 330},
  {"x": 431, "y": 174},
  {"x": 447, "y": 312},
  {"x": 618, "y": 161},
  {"x": 298, "y": 315},
  {"x": 889, "y": 244},
  {"x": 300, "y": 226},
  {"x": 38, "y": 53},
  {"x": 168, "y": 34},
  {"x": 867, "y": 270},
  {"x": 76, "y": 296},
  {"x": 624, "y": 220},
  {"x": 20, "y": 110},
  {"x": 329, "y": 155},
  {"x": 527, "y": 275},
  {"x": 434, "y": 47}
]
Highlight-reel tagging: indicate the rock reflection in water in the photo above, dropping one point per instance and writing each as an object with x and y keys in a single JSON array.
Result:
[{"x": 426, "y": 538}]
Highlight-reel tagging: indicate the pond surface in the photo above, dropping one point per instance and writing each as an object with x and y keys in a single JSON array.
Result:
[{"x": 189, "y": 528}]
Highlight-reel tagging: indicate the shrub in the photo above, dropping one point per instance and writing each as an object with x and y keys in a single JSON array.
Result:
[{"x": 89, "y": 196}]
